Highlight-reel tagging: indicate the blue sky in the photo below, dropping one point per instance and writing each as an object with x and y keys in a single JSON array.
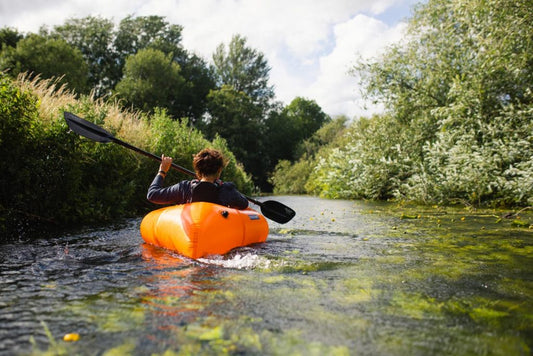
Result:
[{"x": 309, "y": 44}]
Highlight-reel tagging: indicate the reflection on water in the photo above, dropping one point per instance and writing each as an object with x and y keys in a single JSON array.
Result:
[{"x": 341, "y": 278}]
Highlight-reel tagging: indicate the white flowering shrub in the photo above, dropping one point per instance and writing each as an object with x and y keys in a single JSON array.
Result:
[{"x": 459, "y": 119}]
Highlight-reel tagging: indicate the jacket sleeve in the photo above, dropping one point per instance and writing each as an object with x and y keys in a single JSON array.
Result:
[
  {"x": 230, "y": 196},
  {"x": 174, "y": 194}
]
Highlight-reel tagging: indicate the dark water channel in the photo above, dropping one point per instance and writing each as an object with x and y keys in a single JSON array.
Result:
[{"x": 342, "y": 278}]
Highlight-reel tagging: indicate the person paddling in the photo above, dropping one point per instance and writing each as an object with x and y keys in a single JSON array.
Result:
[{"x": 208, "y": 165}]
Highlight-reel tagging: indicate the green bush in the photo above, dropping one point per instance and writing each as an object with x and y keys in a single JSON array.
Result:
[
  {"x": 291, "y": 178},
  {"x": 18, "y": 114},
  {"x": 459, "y": 121},
  {"x": 479, "y": 161},
  {"x": 488, "y": 165},
  {"x": 369, "y": 166},
  {"x": 52, "y": 177}
]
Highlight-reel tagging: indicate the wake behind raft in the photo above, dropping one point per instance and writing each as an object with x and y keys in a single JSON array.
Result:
[{"x": 201, "y": 229}]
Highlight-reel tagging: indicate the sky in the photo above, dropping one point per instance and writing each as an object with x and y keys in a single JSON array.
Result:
[{"x": 310, "y": 45}]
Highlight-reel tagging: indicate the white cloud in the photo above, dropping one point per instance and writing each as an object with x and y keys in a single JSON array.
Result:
[
  {"x": 310, "y": 44},
  {"x": 335, "y": 90}
]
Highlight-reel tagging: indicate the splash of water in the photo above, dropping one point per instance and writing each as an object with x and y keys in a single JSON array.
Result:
[{"x": 238, "y": 260}]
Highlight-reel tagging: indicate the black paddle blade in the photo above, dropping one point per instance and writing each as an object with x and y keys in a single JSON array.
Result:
[
  {"x": 87, "y": 129},
  {"x": 276, "y": 211}
]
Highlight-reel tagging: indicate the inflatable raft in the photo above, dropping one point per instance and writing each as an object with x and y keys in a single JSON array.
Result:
[{"x": 200, "y": 229}]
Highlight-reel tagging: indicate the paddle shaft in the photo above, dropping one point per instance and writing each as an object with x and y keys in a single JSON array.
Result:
[
  {"x": 270, "y": 208},
  {"x": 151, "y": 155}
]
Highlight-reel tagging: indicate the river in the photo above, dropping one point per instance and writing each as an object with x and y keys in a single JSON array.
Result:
[{"x": 341, "y": 278}]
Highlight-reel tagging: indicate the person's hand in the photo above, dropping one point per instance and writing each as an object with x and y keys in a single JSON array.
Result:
[{"x": 166, "y": 162}]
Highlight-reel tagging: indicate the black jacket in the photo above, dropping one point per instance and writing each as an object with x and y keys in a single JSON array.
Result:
[{"x": 187, "y": 191}]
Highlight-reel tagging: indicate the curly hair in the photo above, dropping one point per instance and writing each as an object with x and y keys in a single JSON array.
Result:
[{"x": 208, "y": 162}]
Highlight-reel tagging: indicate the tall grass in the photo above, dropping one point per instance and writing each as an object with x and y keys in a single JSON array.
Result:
[{"x": 52, "y": 177}]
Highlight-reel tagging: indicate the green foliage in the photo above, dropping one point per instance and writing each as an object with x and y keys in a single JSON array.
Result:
[
  {"x": 93, "y": 36},
  {"x": 142, "y": 65},
  {"x": 306, "y": 115},
  {"x": 106, "y": 50},
  {"x": 16, "y": 118},
  {"x": 237, "y": 110},
  {"x": 180, "y": 141},
  {"x": 492, "y": 162},
  {"x": 48, "y": 58},
  {"x": 150, "y": 80},
  {"x": 186, "y": 94},
  {"x": 288, "y": 128},
  {"x": 293, "y": 178},
  {"x": 53, "y": 177},
  {"x": 191, "y": 102},
  {"x": 245, "y": 69},
  {"x": 34, "y": 164},
  {"x": 188, "y": 99},
  {"x": 460, "y": 112},
  {"x": 237, "y": 119},
  {"x": 142, "y": 32},
  {"x": 370, "y": 165},
  {"x": 331, "y": 132},
  {"x": 9, "y": 37}
]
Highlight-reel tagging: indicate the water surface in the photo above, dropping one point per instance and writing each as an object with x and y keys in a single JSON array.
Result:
[{"x": 342, "y": 278}]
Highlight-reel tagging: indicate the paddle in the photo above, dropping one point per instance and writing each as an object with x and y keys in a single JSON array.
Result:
[{"x": 273, "y": 210}]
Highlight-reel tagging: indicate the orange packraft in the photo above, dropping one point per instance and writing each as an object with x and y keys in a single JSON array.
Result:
[{"x": 200, "y": 229}]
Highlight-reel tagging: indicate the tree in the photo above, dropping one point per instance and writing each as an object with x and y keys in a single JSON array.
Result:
[
  {"x": 459, "y": 100},
  {"x": 49, "y": 58},
  {"x": 151, "y": 79},
  {"x": 136, "y": 33},
  {"x": 93, "y": 36},
  {"x": 106, "y": 51},
  {"x": 245, "y": 69},
  {"x": 330, "y": 132},
  {"x": 9, "y": 37},
  {"x": 234, "y": 117},
  {"x": 457, "y": 52},
  {"x": 291, "y": 177},
  {"x": 153, "y": 32},
  {"x": 238, "y": 108},
  {"x": 288, "y": 128},
  {"x": 199, "y": 81},
  {"x": 306, "y": 117}
]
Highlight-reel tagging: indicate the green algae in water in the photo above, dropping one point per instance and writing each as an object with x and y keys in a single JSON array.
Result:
[
  {"x": 434, "y": 285},
  {"x": 415, "y": 306},
  {"x": 126, "y": 348},
  {"x": 211, "y": 336},
  {"x": 354, "y": 291}
]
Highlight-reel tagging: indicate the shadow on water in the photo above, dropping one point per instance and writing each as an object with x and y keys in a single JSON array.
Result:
[{"x": 343, "y": 277}]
